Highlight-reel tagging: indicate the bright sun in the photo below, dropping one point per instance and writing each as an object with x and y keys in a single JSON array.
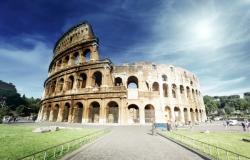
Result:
[{"x": 203, "y": 30}]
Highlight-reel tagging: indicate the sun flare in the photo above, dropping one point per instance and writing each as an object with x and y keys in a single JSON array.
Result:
[{"x": 203, "y": 30}]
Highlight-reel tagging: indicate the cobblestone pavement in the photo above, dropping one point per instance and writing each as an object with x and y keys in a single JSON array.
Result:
[{"x": 133, "y": 143}]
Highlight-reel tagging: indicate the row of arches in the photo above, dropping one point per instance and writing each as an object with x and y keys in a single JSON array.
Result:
[
  {"x": 132, "y": 83},
  {"x": 71, "y": 59},
  {"x": 68, "y": 83},
  {"x": 76, "y": 113}
]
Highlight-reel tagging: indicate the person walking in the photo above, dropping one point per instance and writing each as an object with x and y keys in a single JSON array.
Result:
[{"x": 243, "y": 126}]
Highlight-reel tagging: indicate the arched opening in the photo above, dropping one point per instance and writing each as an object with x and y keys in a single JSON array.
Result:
[
  {"x": 200, "y": 115},
  {"x": 66, "y": 112},
  {"x": 149, "y": 113},
  {"x": 112, "y": 112},
  {"x": 97, "y": 79},
  {"x": 181, "y": 89},
  {"x": 147, "y": 86},
  {"x": 54, "y": 68},
  {"x": 94, "y": 112},
  {"x": 196, "y": 115},
  {"x": 76, "y": 58},
  {"x": 132, "y": 82},
  {"x": 192, "y": 115},
  {"x": 185, "y": 111},
  {"x": 77, "y": 112},
  {"x": 177, "y": 114},
  {"x": 118, "y": 81},
  {"x": 87, "y": 55},
  {"x": 53, "y": 87},
  {"x": 188, "y": 92},
  {"x": 59, "y": 64},
  {"x": 66, "y": 61},
  {"x": 165, "y": 90},
  {"x": 48, "y": 110},
  {"x": 155, "y": 86},
  {"x": 164, "y": 78},
  {"x": 167, "y": 113},
  {"x": 55, "y": 112},
  {"x": 83, "y": 80},
  {"x": 174, "y": 90},
  {"x": 71, "y": 82},
  {"x": 133, "y": 116},
  {"x": 60, "y": 85}
]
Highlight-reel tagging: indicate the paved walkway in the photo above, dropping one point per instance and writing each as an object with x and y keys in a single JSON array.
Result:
[{"x": 133, "y": 143}]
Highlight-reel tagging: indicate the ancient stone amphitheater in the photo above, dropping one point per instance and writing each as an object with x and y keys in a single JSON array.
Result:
[{"x": 83, "y": 88}]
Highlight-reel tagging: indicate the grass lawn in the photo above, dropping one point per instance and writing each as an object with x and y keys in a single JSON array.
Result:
[
  {"x": 227, "y": 140},
  {"x": 18, "y": 141}
]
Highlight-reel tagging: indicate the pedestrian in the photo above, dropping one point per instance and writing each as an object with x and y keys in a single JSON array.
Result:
[
  {"x": 243, "y": 126},
  {"x": 153, "y": 129}
]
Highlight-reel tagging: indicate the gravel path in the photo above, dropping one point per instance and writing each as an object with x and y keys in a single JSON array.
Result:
[{"x": 133, "y": 143}]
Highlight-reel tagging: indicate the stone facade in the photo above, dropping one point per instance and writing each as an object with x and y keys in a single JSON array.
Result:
[{"x": 82, "y": 88}]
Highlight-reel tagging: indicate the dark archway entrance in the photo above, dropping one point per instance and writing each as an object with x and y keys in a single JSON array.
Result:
[
  {"x": 133, "y": 116},
  {"x": 149, "y": 113},
  {"x": 94, "y": 112},
  {"x": 112, "y": 112}
]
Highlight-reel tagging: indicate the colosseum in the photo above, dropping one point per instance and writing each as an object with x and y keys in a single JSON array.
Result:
[{"x": 83, "y": 88}]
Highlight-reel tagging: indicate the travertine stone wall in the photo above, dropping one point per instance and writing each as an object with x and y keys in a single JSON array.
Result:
[{"x": 82, "y": 88}]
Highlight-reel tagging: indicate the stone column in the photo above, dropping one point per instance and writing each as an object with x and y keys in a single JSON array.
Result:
[
  {"x": 172, "y": 114},
  {"x": 89, "y": 79},
  {"x": 123, "y": 116},
  {"x": 142, "y": 115},
  {"x": 80, "y": 52},
  {"x": 188, "y": 114},
  {"x": 94, "y": 53},
  {"x": 71, "y": 59},
  {"x": 102, "y": 117},
  {"x": 60, "y": 112},
  {"x": 51, "y": 113},
  {"x": 161, "y": 89},
  {"x": 85, "y": 112},
  {"x": 182, "y": 119}
]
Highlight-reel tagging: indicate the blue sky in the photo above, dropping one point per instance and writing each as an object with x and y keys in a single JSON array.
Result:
[{"x": 208, "y": 37}]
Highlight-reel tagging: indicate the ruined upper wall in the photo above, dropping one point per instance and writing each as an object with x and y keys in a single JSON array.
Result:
[
  {"x": 78, "y": 34},
  {"x": 155, "y": 71}
]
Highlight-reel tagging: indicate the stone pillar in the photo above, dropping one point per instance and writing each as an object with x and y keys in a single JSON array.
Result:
[
  {"x": 172, "y": 114},
  {"x": 142, "y": 115},
  {"x": 80, "y": 52},
  {"x": 104, "y": 77},
  {"x": 94, "y": 52},
  {"x": 123, "y": 111},
  {"x": 182, "y": 119},
  {"x": 102, "y": 117},
  {"x": 188, "y": 114},
  {"x": 51, "y": 113},
  {"x": 60, "y": 112},
  {"x": 89, "y": 79},
  {"x": 70, "y": 117},
  {"x": 40, "y": 114},
  {"x": 161, "y": 89},
  {"x": 85, "y": 112},
  {"x": 71, "y": 59}
]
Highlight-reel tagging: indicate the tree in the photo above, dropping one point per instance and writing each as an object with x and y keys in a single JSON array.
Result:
[{"x": 211, "y": 104}]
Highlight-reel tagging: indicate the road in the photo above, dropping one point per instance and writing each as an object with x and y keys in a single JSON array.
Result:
[{"x": 132, "y": 143}]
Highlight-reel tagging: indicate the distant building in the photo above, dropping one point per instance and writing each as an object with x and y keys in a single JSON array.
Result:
[{"x": 83, "y": 88}]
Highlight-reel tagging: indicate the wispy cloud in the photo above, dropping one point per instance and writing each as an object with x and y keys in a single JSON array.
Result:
[{"x": 26, "y": 68}]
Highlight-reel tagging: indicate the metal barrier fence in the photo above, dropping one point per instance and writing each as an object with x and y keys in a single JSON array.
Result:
[
  {"x": 212, "y": 151},
  {"x": 60, "y": 150}
]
